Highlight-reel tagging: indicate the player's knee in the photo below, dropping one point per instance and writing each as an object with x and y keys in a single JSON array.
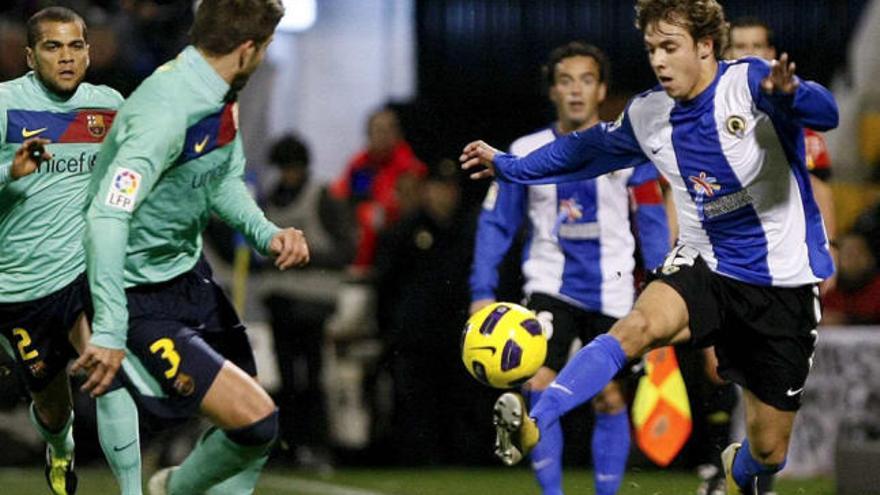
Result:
[
  {"x": 262, "y": 432},
  {"x": 52, "y": 414},
  {"x": 769, "y": 451},
  {"x": 635, "y": 333},
  {"x": 610, "y": 400},
  {"x": 542, "y": 379}
]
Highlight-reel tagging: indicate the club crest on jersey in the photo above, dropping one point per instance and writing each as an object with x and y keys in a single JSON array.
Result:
[
  {"x": 96, "y": 126},
  {"x": 570, "y": 210},
  {"x": 704, "y": 185},
  {"x": 124, "y": 189},
  {"x": 736, "y": 126}
]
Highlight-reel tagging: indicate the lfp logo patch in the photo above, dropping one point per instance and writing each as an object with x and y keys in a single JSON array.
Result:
[{"x": 124, "y": 189}]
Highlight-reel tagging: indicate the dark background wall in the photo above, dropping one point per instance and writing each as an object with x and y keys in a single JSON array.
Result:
[{"x": 479, "y": 60}]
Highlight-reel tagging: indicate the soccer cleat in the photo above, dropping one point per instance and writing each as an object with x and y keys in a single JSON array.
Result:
[
  {"x": 727, "y": 457},
  {"x": 516, "y": 434},
  {"x": 60, "y": 474},
  {"x": 158, "y": 484}
]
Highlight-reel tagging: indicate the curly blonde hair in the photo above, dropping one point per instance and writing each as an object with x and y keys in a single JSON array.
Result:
[{"x": 702, "y": 18}]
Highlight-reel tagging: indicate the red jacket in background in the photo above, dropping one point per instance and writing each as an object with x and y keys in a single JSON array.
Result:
[{"x": 371, "y": 186}]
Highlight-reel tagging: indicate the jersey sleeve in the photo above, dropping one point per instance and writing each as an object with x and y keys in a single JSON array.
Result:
[
  {"x": 580, "y": 155},
  {"x": 233, "y": 203},
  {"x": 144, "y": 143},
  {"x": 650, "y": 215},
  {"x": 502, "y": 214},
  {"x": 811, "y": 105}
]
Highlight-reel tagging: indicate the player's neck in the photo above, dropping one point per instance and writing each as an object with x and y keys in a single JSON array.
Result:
[
  {"x": 563, "y": 127},
  {"x": 227, "y": 66},
  {"x": 708, "y": 71}
]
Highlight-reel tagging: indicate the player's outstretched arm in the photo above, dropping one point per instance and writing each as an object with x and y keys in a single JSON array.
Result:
[
  {"x": 576, "y": 156},
  {"x": 809, "y": 102}
]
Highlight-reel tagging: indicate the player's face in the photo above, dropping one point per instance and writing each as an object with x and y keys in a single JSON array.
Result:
[
  {"x": 677, "y": 60},
  {"x": 255, "y": 58},
  {"x": 750, "y": 41},
  {"x": 60, "y": 57},
  {"x": 577, "y": 91}
]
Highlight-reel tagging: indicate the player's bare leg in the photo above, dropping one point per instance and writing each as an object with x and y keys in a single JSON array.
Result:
[
  {"x": 51, "y": 413},
  {"x": 768, "y": 431},
  {"x": 659, "y": 318},
  {"x": 246, "y": 429}
]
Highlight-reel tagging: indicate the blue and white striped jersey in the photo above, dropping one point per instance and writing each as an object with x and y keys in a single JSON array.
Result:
[
  {"x": 580, "y": 246},
  {"x": 750, "y": 218}
]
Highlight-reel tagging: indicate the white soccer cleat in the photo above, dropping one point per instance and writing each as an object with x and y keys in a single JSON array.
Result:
[
  {"x": 158, "y": 484},
  {"x": 515, "y": 433}
]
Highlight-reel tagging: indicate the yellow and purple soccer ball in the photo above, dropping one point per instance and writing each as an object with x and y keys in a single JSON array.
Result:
[{"x": 503, "y": 345}]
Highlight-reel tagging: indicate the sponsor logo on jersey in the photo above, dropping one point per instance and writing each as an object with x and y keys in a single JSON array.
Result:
[
  {"x": 571, "y": 210},
  {"x": 74, "y": 165},
  {"x": 200, "y": 146},
  {"x": 704, "y": 185},
  {"x": 736, "y": 126},
  {"x": 26, "y": 133},
  {"x": 124, "y": 189}
]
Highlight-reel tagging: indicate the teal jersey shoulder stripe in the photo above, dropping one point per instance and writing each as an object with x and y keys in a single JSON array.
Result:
[
  {"x": 82, "y": 126},
  {"x": 206, "y": 135}
]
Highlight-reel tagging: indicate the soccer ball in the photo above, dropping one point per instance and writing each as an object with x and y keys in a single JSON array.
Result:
[{"x": 503, "y": 345}]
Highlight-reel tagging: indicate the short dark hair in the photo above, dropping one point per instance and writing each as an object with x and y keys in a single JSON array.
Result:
[
  {"x": 701, "y": 18},
  {"x": 750, "y": 21},
  {"x": 576, "y": 49},
  {"x": 289, "y": 151},
  {"x": 52, "y": 14},
  {"x": 222, "y": 25}
]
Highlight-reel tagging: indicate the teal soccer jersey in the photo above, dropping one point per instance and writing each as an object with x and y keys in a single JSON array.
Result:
[
  {"x": 173, "y": 158},
  {"x": 41, "y": 215}
]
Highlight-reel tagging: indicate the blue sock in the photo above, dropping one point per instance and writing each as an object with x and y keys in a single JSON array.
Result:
[
  {"x": 585, "y": 375},
  {"x": 746, "y": 468},
  {"x": 546, "y": 457},
  {"x": 610, "y": 448}
]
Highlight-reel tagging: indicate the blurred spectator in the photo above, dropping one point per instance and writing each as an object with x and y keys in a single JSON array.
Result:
[
  {"x": 13, "y": 39},
  {"x": 422, "y": 266},
  {"x": 371, "y": 181},
  {"x": 300, "y": 301},
  {"x": 856, "y": 299}
]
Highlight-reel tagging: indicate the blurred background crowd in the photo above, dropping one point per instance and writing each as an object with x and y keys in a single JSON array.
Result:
[{"x": 353, "y": 128}]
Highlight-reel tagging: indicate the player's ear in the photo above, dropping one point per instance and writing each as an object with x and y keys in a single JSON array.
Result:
[
  {"x": 772, "y": 53},
  {"x": 29, "y": 55},
  {"x": 603, "y": 91},
  {"x": 705, "y": 47}
]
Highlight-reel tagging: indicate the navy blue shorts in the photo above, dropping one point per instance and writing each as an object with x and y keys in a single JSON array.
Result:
[
  {"x": 180, "y": 333},
  {"x": 38, "y": 331}
]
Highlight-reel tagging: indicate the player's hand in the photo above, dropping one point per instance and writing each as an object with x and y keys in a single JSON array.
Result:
[
  {"x": 476, "y": 154},
  {"x": 101, "y": 365},
  {"x": 480, "y": 304},
  {"x": 290, "y": 248},
  {"x": 28, "y": 157},
  {"x": 781, "y": 79}
]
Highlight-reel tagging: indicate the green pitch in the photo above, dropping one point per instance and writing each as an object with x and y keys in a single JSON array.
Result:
[{"x": 415, "y": 482}]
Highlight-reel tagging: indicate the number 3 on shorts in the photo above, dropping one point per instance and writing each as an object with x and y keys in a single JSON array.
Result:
[{"x": 166, "y": 345}]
